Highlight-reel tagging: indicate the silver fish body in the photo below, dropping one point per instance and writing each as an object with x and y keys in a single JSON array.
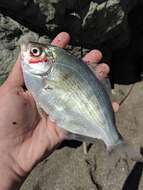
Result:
[{"x": 70, "y": 93}]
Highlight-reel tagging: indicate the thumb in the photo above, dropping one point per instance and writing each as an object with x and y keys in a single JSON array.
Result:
[{"x": 15, "y": 78}]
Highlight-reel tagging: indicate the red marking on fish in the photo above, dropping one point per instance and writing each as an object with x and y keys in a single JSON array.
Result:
[{"x": 37, "y": 61}]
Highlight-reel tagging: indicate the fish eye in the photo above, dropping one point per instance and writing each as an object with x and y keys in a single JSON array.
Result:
[{"x": 35, "y": 51}]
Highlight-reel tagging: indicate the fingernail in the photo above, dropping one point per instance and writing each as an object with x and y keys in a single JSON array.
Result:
[{"x": 115, "y": 106}]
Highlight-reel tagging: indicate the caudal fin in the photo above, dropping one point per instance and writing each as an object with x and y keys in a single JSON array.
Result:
[{"x": 126, "y": 150}]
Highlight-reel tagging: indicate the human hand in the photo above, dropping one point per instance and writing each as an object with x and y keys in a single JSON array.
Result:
[{"x": 25, "y": 136}]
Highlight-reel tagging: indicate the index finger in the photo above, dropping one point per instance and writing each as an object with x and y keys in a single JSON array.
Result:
[{"x": 61, "y": 40}]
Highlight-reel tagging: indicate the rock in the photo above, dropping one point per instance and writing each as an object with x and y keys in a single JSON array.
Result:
[
  {"x": 9, "y": 34},
  {"x": 128, "y": 5},
  {"x": 26, "y": 12},
  {"x": 104, "y": 25},
  {"x": 129, "y": 117},
  {"x": 68, "y": 169},
  {"x": 94, "y": 22},
  {"x": 97, "y": 24}
]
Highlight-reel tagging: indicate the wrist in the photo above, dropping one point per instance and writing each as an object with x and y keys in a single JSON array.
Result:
[{"x": 11, "y": 175}]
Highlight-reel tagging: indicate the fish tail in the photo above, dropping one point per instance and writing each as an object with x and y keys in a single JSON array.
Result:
[
  {"x": 125, "y": 150},
  {"x": 113, "y": 148}
]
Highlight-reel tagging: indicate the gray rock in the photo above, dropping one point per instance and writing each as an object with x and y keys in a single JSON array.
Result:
[
  {"x": 68, "y": 169},
  {"x": 100, "y": 24},
  {"x": 9, "y": 34},
  {"x": 94, "y": 21}
]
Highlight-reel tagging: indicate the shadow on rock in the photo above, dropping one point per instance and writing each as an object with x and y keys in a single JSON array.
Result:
[
  {"x": 127, "y": 67},
  {"x": 71, "y": 144},
  {"x": 133, "y": 180},
  {"x": 26, "y": 13}
]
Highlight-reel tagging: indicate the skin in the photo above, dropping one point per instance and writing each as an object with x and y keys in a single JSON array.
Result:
[{"x": 27, "y": 137}]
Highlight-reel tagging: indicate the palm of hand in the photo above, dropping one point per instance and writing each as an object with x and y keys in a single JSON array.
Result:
[{"x": 27, "y": 136}]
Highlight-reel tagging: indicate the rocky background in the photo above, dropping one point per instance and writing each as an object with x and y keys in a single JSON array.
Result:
[{"x": 116, "y": 28}]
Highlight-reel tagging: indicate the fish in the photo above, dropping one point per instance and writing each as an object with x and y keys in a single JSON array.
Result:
[{"x": 70, "y": 93}]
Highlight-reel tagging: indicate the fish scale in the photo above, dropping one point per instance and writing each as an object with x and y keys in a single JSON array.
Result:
[
  {"x": 70, "y": 93},
  {"x": 85, "y": 107},
  {"x": 79, "y": 98}
]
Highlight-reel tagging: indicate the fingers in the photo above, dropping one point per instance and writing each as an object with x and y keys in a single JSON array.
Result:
[
  {"x": 94, "y": 56},
  {"x": 15, "y": 78},
  {"x": 61, "y": 40},
  {"x": 115, "y": 106},
  {"x": 102, "y": 71}
]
